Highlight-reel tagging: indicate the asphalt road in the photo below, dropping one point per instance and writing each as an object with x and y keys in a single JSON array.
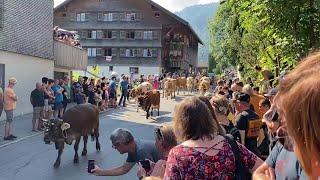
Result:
[{"x": 31, "y": 159}]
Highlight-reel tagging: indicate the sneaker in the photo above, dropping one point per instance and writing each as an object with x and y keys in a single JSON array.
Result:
[
  {"x": 12, "y": 136},
  {"x": 8, "y": 138}
]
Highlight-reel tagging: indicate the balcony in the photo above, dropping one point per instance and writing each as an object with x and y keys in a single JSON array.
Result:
[{"x": 69, "y": 57}]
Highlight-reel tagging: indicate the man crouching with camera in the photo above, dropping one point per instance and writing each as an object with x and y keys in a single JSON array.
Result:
[{"x": 137, "y": 150}]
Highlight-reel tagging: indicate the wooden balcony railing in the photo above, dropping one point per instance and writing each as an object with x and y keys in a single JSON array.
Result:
[{"x": 69, "y": 57}]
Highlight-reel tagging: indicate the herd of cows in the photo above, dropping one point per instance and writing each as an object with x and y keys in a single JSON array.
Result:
[
  {"x": 149, "y": 99},
  {"x": 83, "y": 120}
]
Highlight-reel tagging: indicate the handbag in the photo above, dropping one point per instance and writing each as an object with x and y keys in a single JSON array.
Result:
[{"x": 242, "y": 172}]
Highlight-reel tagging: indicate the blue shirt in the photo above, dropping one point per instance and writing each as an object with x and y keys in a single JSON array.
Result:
[
  {"x": 124, "y": 85},
  {"x": 59, "y": 96},
  {"x": 112, "y": 86},
  {"x": 285, "y": 163}
]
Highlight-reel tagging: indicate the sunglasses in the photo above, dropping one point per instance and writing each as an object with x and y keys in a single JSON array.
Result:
[{"x": 284, "y": 139}]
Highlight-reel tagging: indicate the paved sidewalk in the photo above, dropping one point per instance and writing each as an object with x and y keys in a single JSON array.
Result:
[{"x": 22, "y": 128}]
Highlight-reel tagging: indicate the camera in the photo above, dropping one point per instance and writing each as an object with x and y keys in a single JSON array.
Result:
[
  {"x": 145, "y": 164},
  {"x": 90, "y": 165}
]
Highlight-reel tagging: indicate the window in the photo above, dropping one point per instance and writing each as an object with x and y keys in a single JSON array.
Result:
[
  {"x": 130, "y": 53},
  {"x": 92, "y": 35},
  {"x": 130, "y": 35},
  {"x": 134, "y": 70},
  {"x": 107, "y": 35},
  {"x": 108, "y": 17},
  {"x": 107, "y": 52},
  {"x": 147, "y": 35},
  {"x": 81, "y": 17},
  {"x": 92, "y": 52},
  {"x": 147, "y": 52},
  {"x": 130, "y": 16},
  {"x": 110, "y": 68}
]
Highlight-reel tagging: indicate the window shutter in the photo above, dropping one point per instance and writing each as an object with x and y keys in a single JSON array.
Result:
[
  {"x": 100, "y": 16},
  {"x": 154, "y": 52},
  {"x": 114, "y": 34},
  {"x": 139, "y": 52},
  {"x": 155, "y": 35},
  {"x": 114, "y": 52},
  {"x": 122, "y": 52},
  {"x": 115, "y": 16},
  {"x": 99, "y": 51},
  {"x": 122, "y": 16},
  {"x": 123, "y": 34},
  {"x": 138, "y": 16},
  {"x": 87, "y": 16},
  {"x": 73, "y": 16},
  {"x": 138, "y": 34},
  {"x": 99, "y": 34}
]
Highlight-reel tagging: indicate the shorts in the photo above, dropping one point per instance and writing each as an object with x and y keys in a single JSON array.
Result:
[
  {"x": 58, "y": 106},
  {"x": 9, "y": 115},
  {"x": 37, "y": 113},
  {"x": 47, "y": 106}
]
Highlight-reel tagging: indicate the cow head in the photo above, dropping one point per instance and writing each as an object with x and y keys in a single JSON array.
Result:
[{"x": 56, "y": 131}]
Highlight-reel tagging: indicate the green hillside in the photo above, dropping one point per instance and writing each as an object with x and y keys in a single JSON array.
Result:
[{"x": 198, "y": 16}]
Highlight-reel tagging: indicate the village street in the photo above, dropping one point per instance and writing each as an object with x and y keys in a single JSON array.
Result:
[{"x": 30, "y": 158}]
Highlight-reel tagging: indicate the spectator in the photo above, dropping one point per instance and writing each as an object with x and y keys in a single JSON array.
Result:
[
  {"x": 113, "y": 91},
  {"x": 271, "y": 94},
  {"x": 248, "y": 122},
  {"x": 1, "y": 99},
  {"x": 221, "y": 108},
  {"x": 37, "y": 101},
  {"x": 66, "y": 92},
  {"x": 124, "y": 90},
  {"x": 137, "y": 150},
  {"x": 299, "y": 101},
  {"x": 78, "y": 91},
  {"x": 10, "y": 101},
  {"x": 165, "y": 141},
  {"x": 85, "y": 87},
  {"x": 58, "y": 107},
  {"x": 254, "y": 99},
  {"x": 205, "y": 100},
  {"x": 49, "y": 99},
  {"x": 282, "y": 163},
  {"x": 203, "y": 154}
]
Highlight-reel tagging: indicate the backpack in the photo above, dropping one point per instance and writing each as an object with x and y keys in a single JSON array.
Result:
[{"x": 241, "y": 173}]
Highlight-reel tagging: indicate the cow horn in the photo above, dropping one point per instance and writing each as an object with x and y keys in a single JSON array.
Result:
[{"x": 65, "y": 126}]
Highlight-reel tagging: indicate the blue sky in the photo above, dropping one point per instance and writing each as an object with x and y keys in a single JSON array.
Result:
[{"x": 172, "y": 5}]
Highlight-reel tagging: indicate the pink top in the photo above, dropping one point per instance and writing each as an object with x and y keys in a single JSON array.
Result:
[{"x": 189, "y": 163}]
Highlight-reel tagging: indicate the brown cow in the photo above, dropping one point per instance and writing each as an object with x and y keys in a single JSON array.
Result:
[
  {"x": 78, "y": 121},
  {"x": 181, "y": 84},
  {"x": 151, "y": 100},
  {"x": 169, "y": 87}
]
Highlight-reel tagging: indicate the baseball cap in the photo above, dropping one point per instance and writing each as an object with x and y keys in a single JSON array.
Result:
[
  {"x": 272, "y": 92},
  {"x": 242, "y": 97}
]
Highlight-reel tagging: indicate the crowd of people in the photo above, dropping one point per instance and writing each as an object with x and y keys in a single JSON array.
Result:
[{"x": 235, "y": 132}]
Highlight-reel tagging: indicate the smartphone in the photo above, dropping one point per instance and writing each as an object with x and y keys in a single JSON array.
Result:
[
  {"x": 145, "y": 164},
  {"x": 90, "y": 165}
]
